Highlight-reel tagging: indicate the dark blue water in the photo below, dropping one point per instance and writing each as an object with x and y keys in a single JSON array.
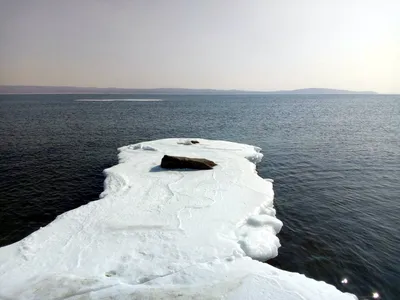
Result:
[{"x": 335, "y": 161}]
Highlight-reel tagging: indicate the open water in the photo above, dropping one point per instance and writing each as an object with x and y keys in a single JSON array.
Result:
[{"x": 335, "y": 160}]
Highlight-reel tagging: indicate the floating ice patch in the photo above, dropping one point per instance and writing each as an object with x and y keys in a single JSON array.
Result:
[
  {"x": 163, "y": 234},
  {"x": 118, "y": 100}
]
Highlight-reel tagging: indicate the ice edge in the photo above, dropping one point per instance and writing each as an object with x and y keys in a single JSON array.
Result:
[{"x": 230, "y": 273}]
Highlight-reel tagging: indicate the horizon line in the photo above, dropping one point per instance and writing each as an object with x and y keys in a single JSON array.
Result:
[{"x": 170, "y": 89}]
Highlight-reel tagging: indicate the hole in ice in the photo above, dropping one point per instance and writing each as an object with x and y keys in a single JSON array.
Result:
[
  {"x": 110, "y": 273},
  {"x": 143, "y": 280}
]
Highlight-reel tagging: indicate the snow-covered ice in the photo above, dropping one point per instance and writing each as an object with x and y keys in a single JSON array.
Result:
[{"x": 156, "y": 234}]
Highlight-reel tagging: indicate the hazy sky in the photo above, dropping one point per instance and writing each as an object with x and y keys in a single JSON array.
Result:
[{"x": 252, "y": 45}]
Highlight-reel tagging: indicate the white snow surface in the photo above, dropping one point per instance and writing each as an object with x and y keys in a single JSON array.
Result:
[{"x": 163, "y": 234}]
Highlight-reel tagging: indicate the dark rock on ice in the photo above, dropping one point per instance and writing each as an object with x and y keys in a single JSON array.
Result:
[{"x": 179, "y": 162}]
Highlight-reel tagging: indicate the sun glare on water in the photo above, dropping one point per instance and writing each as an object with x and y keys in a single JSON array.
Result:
[{"x": 375, "y": 295}]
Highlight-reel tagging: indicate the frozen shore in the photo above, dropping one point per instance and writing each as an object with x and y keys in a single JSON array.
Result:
[{"x": 157, "y": 233}]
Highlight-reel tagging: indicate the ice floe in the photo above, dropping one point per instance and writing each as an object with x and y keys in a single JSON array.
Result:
[
  {"x": 163, "y": 234},
  {"x": 118, "y": 100}
]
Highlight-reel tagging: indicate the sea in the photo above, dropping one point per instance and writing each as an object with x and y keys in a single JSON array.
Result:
[{"x": 334, "y": 159}]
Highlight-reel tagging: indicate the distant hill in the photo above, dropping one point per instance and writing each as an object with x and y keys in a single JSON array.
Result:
[
  {"x": 323, "y": 91},
  {"x": 24, "y": 89}
]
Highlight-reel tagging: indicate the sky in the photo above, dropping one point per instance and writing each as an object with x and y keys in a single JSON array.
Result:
[{"x": 220, "y": 44}]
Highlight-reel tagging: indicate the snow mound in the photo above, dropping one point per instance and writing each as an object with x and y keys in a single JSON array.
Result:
[{"x": 159, "y": 233}]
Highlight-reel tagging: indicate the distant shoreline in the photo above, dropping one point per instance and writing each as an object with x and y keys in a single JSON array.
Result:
[{"x": 60, "y": 90}]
